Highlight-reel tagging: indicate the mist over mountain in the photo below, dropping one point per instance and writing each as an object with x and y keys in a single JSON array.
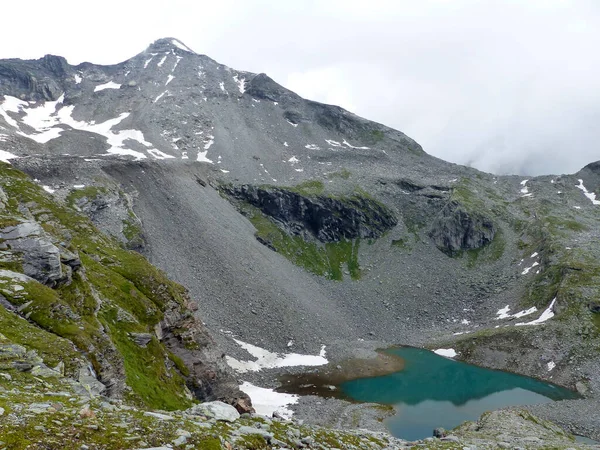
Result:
[{"x": 286, "y": 233}]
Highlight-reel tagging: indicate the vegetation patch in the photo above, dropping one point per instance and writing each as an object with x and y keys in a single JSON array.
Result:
[{"x": 330, "y": 260}]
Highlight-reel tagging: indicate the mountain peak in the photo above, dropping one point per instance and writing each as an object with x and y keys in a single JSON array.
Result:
[{"x": 169, "y": 43}]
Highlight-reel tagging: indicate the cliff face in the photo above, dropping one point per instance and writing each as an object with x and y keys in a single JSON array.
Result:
[
  {"x": 132, "y": 330},
  {"x": 322, "y": 217}
]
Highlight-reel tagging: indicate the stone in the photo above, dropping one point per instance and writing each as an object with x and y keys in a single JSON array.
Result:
[
  {"x": 141, "y": 339},
  {"x": 581, "y": 387},
  {"x": 91, "y": 384},
  {"x": 456, "y": 229},
  {"x": 252, "y": 430},
  {"x": 158, "y": 416},
  {"x": 180, "y": 432},
  {"x": 86, "y": 412},
  {"x": 439, "y": 433},
  {"x": 216, "y": 410},
  {"x": 181, "y": 440},
  {"x": 308, "y": 440},
  {"x": 44, "y": 371},
  {"x": 1, "y": 411},
  {"x": 39, "y": 408}
]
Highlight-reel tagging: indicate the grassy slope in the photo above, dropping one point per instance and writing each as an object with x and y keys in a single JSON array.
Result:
[{"x": 120, "y": 279}]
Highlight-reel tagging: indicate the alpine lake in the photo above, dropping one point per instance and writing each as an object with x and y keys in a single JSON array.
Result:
[{"x": 431, "y": 391}]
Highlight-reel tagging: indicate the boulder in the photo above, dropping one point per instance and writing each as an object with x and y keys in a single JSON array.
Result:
[
  {"x": 215, "y": 410},
  {"x": 456, "y": 229},
  {"x": 141, "y": 339}
]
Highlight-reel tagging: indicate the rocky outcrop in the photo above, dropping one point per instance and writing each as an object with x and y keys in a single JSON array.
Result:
[
  {"x": 208, "y": 376},
  {"x": 456, "y": 229},
  {"x": 42, "y": 260},
  {"x": 33, "y": 80},
  {"x": 326, "y": 218}
]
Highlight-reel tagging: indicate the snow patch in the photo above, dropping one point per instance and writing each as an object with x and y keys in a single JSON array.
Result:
[
  {"x": 293, "y": 160},
  {"x": 158, "y": 154},
  {"x": 179, "y": 58},
  {"x": 202, "y": 157},
  {"x": 269, "y": 360},
  {"x": 169, "y": 79},
  {"x": 292, "y": 123},
  {"x": 160, "y": 96},
  {"x": 551, "y": 365},
  {"x": 267, "y": 401},
  {"x": 77, "y": 78},
  {"x": 528, "y": 269},
  {"x": 241, "y": 83},
  {"x": 181, "y": 46},
  {"x": 148, "y": 62},
  {"x": 109, "y": 85},
  {"x": 446, "y": 352},
  {"x": 504, "y": 313},
  {"x": 333, "y": 143},
  {"x": 222, "y": 86},
  {"x": 347, "y": 144},
  {"x": 78, "y": 186},
  {"x": 162, "y": 61},
  {"x": 312, "y": 147},
  {"x": 588, "y": 194},
  {"x": 285, "y": 144},
  {"x": 6, "y": 156},
  {"x": 48, "y": 189},
  {"x": 546, "y": 315}
]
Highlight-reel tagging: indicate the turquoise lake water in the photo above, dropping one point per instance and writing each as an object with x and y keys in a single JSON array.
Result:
[{"x": 433, "y": 391}]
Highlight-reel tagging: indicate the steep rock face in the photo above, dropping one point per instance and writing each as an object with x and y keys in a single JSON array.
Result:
[
  {"x": 40, "y": 257},
  {"x": 456, "y": 229},
  {"x": 34, "y": 80},
  {"x": 328, "y": 219}
]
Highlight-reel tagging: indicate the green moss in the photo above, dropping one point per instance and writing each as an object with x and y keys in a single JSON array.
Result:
[
  {"x": 488, "y": 253},
  {"x": 52, "y": 348},
  {"x": 401, "y": 243},
  {"x": 210, "y": 443},
  {"x": 326, "y": 260},
  {"x": 145, "y": 370},
  {"x": 309, "y": 188},
  {"x": 89, "y": 192},
  {"x": 253, "y": 442},
  {"x": 344, "y": 174},
  {"x": 179, "y": 364}
]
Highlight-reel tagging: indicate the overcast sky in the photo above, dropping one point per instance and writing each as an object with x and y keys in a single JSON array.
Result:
[{"x": 509, "y": 86}]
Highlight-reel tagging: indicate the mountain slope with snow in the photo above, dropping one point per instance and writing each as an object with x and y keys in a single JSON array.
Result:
[{"x": 292, "y": 221}]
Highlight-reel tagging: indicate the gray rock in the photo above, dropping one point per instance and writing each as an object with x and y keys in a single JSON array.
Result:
[
  {"x": 158, "y": 415},
  {"x": 216, "y": 410},
  {"x": 439, "y": 433},
  {"x": 141, "y": 339},
  {"x": 181, "y": 440},
  {"x": 252, "y": 430},
  {"x": 456, "y": 229},
  {"x": 91, "y": 384}
]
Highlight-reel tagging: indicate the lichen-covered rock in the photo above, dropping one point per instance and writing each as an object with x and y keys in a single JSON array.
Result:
[
  {"x": 215, "y": 410},
  {"x": 456, "y": 229},
  {"x": 326, "y": 218}
]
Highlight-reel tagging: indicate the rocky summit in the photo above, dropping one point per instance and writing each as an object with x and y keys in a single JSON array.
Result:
[{"x": 172, "y": 229}]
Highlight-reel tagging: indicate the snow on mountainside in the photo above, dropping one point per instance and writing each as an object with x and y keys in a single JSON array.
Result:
[
  {"x": 169, "y": 102},
  {"x": 298, "y": 224}
]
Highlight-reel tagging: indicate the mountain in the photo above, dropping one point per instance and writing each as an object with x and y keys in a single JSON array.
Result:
[{"x": 292, "y": 224}]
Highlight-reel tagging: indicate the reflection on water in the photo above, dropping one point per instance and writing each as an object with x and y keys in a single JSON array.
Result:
[{"x": 433, "y": 391}]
